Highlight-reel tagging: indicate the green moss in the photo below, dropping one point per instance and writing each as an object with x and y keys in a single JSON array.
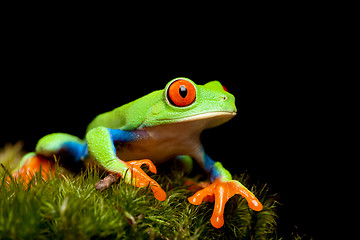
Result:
[{"x": 69, "y": 207}]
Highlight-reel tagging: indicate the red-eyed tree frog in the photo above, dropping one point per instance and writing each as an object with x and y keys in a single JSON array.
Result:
[{"x": 162, "y": 125}]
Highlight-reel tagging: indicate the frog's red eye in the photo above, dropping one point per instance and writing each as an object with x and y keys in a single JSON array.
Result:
[{"x": 181, "y": 93}]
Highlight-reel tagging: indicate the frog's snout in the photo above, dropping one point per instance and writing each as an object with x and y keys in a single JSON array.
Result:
[{"x": 228, "y": 102}]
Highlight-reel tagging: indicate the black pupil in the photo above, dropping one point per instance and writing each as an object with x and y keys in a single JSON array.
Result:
[{"x": 183, "y": 91}]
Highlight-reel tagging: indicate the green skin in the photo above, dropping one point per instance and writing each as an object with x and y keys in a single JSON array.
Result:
[{"x": 153, "y": 128}]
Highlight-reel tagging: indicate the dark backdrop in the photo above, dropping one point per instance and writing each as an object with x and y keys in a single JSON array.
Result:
[
  {"x": 275, "y": 136},
  {"x": 60, "y": 80}
]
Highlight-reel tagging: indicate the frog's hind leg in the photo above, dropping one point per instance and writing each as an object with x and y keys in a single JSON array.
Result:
[{"x": 67, "y": 148}]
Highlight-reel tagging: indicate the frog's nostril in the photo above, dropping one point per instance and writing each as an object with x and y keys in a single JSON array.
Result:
[{"x": 223, "y": 98}]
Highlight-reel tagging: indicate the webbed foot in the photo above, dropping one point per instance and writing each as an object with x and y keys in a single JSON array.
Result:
[
  {"x": 141, "y": 179},
  {"x": 31, "y": 164},
  {"x": 223, "y": 191}
]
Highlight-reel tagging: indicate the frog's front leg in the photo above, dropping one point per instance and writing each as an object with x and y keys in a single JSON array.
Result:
[
  {"x": 101, "y": 147},
  {"x": 222, "y": 189}
]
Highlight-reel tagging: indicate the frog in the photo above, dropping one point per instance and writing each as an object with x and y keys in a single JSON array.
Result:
[{"x": 162, "y": 125}]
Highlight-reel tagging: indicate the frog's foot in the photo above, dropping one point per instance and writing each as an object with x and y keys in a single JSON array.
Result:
[
  {"x": 31, "y": 164},
  {"x": 223, "y": 191},
  {"x": 141, "y": 179}
]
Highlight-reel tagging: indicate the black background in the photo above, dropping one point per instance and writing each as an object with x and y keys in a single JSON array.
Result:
[
  {"x": 275, "y": 136},
  {"x": 57, "y": 79}
]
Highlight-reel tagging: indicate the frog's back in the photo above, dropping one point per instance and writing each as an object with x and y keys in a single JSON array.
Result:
[
  {"x": 126, "y": 117},
  {"x": 113, "y": 119}
]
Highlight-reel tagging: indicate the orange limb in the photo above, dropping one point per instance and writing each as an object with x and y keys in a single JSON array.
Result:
[
  {"x": 223, "y": 191},
  {"x": 33, "y": 165},
  {"x": 143, "y": 180}
]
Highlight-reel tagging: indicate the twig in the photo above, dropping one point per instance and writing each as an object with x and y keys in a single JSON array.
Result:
[{"x": 106, "y": 182}]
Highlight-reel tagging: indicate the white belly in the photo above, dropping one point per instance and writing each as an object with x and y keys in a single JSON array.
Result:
[{"x": 163, "y": 143}]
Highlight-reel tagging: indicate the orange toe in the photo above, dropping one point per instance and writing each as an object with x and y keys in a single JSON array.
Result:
[
  {"x": 217, "y": 221},
  {"x": 237, "y": 188},
  {"x": 147, "y": 162},
  {"x": 159, "y": 193},
  {"x": 200, "y": 195}
]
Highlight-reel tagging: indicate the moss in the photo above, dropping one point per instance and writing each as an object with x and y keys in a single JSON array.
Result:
[{"x": 69, "y": 207}]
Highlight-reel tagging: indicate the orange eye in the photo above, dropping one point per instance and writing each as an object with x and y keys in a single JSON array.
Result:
[{"x": 181, "y": 93}]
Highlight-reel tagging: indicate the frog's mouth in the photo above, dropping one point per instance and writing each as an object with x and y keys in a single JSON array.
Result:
[
  {"x": 205, "y": 120},
  {"x": 208, "y": 115}
]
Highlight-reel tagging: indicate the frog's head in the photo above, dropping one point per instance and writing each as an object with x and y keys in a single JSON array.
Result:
[{"x": 183, "y": 101}]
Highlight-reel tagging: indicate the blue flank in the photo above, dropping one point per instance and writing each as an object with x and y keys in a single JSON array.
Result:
[
  {"x": 77, "y": 150},
  {"x": 117, "y": 135}
]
